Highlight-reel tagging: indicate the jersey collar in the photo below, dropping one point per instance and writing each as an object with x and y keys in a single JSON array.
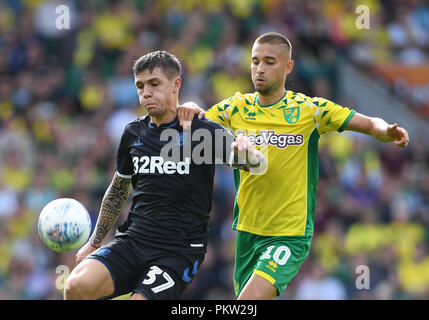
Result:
[
  {"x": 269, "y": 105},
  {"x": 164, "y": 125}
]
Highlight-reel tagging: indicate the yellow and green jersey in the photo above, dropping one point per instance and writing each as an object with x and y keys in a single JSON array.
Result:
[{"x": 282, "y": 201}]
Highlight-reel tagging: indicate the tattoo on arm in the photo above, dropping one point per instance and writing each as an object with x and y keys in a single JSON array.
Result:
[{"x": 113, "y": 202}]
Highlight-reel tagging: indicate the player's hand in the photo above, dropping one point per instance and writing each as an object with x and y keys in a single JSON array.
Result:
[
  {"x": 398, "y": 135},
  {"x": 244, "y": 149},
  {"x": 186, "y": 113},
  {"x": 240, "y": 144},
  {"x": 83, "y": 252}
]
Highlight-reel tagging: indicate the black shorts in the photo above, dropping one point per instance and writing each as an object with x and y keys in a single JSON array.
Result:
[{"x": 156, "y": 272}]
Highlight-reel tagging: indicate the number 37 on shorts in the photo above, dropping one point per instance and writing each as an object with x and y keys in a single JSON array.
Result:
[{"x": 151, "y": 277}]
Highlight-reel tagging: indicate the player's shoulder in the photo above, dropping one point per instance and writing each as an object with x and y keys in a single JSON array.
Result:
[
  {"x": 137, "y": 122},
  {"x": 239, "y": 98},
  {"x": 305, "y": 100},
  {"x": 297, "y": 96},
  {"x": 205, "y": 123},
  {"x": 247, "y": 98},
  {"x": 134, "y": 127}
]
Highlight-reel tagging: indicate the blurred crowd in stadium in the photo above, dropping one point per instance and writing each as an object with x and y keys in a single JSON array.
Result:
[{"x": 65, "y": 96}]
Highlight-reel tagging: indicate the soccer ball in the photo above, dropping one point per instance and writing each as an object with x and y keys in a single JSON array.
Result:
[{"x": 64, "y": 225}]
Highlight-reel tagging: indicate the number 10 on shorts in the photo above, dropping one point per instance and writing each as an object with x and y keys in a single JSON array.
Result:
[{"x": 280, "y": 255}]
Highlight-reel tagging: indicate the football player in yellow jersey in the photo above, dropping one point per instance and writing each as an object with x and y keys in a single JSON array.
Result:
[{"x": 274, "y": 212}]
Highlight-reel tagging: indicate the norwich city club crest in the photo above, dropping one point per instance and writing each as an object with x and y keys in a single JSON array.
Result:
[{"x": 291, "y": 114}]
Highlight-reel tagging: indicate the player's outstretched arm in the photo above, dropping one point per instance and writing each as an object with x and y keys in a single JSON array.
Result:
[
  {"x": 111, "y": 207},
  {"x": 379, "y": 129},
  {"x": 187, "y": 111}
]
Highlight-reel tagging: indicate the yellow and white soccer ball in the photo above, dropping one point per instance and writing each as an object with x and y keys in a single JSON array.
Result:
[{"x": 64, "y": 225}]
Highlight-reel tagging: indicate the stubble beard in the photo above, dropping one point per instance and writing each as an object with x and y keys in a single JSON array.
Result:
[
  {"x": 266, "y": 90},
  {"x": 154, "y": 112}
]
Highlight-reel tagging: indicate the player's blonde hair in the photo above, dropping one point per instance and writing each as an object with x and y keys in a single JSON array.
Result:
[{"x": 276, "y": 39}]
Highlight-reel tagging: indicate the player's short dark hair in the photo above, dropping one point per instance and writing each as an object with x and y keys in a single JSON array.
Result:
[
  {"x": 168, "y": 63},
  {"x": 276, "y": 39}
]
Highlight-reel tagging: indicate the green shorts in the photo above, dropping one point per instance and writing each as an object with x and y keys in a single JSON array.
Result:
[{"x": 277, "y": 258}]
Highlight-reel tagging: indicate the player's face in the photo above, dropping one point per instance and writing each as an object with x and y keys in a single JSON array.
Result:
[
  {"x": 157, "y": 93},
  {"x": 269, "y": 67}
]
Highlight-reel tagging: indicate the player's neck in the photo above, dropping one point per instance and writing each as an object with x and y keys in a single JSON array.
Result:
[
  {"x": 166, "y": 117},
  {"x": 272, "y": 98}
]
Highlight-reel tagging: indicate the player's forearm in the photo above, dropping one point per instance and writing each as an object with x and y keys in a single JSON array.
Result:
[
  {"x": 373, "y": 126},
  {"x": 111, "y": 207},
  {"x": 378, "y": 130}
]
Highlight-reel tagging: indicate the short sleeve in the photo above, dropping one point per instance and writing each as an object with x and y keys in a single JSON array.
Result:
[
  {"x": 222, "y": 111},
  {"x": 330, "y": 116},
  {"x": 124, "y": 164}
]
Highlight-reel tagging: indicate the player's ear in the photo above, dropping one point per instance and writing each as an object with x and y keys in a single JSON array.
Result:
[
  {"x": 177, "y": 84},
  {"x": 289, "y": 66}
]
